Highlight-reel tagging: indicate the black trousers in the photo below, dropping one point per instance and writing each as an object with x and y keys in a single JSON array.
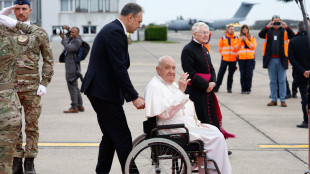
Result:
[
  {"x": 116, "y": 134},
  {"x": 303, "y": 89},
  {"x": 246, "y": 68},
  {"x": 221, "y": 73}
]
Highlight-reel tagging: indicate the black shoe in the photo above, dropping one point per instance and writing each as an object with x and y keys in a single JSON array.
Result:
[
  {"x": 229, "y": 91},
  {"x": 29, "y": 166},
  {"x": 248, "y": 92},
  {"x": 288, "y": 96},
  {"x": 17, "y": 165},
  {"x": 229, "y": 152},
  {"x": 243, "y": 92},
  {"x": 294, "y": 96},
  {"x": 302, "y": 125}
]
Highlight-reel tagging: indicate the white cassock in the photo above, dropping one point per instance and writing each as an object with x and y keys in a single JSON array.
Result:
[{"x": 173, "y": 107}]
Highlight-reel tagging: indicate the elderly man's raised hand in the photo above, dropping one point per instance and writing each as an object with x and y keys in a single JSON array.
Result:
[
  {"x": 139, "y": 103},
  {"x": 7, "y": 21},
  {"x": 183, "y": 82},
  {"x": 8, "y": 10}
]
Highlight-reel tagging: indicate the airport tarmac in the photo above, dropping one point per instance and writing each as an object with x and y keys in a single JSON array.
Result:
[{"x": 69, "y": 142}]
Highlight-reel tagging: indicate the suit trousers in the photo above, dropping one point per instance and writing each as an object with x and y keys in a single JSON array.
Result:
[
  {"x": 116, "y": 134},
  {"x": 221, "y": 73},
  {"x": 303, "y": 89},
  {"x": 75, "y": 93}
]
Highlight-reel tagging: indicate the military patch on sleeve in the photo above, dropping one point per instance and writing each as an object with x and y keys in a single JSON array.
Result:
[{"x": 22, "y": 39}]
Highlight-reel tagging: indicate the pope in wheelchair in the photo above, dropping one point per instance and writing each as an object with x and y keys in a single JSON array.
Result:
[{"x": 167, "y": 101}]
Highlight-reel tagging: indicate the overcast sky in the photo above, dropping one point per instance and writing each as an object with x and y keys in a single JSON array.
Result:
[{"x": 161, "y": 11}]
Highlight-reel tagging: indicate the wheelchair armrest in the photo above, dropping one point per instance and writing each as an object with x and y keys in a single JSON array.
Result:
[{"x": 170, "y": 126}]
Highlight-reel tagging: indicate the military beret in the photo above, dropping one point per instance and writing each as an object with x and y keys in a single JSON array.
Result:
[{"x": 22, "y": 2}]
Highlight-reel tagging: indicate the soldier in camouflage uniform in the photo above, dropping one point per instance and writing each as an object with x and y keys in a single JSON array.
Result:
[
  {"x": 30, "y": 89},
  {"x": 11, "y": 45}
]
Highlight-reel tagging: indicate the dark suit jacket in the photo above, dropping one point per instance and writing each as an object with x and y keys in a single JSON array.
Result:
[
  {"x": 72, "y": 52},
  {"x": 299, "y": 55},
  {"x": 107, "y": 77}
]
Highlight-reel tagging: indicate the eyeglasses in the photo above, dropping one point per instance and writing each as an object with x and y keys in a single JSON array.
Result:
[{"x": 204, "y": 33}]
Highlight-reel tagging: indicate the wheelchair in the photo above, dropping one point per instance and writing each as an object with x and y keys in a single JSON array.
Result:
[{"x": 167, "y": 153}]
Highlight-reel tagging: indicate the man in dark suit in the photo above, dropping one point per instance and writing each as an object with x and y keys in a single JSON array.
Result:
[
  {"x": 299, "y": 56},
  {"x": 107, "y": 84}
]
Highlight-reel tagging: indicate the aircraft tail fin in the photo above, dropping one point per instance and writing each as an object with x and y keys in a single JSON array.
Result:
[{"x": 243, "y": 10}]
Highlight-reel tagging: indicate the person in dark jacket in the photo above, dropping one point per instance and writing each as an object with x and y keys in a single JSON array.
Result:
[
  {"x": 299, "y": 56},
  {"x": 275, "y": 51},
  {"x": 107, "y": 84},
  {"x": 72, "y": 45}
]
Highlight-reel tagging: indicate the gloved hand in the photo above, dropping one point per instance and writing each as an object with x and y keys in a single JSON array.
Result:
[
  {"x": 7, "y": 21},
  {"x": 41, "y": 90},
  {"x": 7, "y": 11}
]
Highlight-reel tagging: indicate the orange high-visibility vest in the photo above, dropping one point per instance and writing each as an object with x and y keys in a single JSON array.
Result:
[
  {"x": 207, "y": 46},
  {"x": 227, "y": 47},
  {"x": 286, "y": 40},
  {"x": 246, "y": 53}
]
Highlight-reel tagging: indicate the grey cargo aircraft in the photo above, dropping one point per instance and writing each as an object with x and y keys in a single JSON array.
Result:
[{"x": 240, "y": 15}]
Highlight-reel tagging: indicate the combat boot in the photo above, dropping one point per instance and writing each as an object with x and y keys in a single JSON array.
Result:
[
  {"x": 29, "y": 166},
  {"x": 17, "y": 165}
]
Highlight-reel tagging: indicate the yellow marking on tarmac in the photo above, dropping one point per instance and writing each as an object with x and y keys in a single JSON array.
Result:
[
  {"x": 300, "y": 146},
  {"x": 67, "y": 144}
]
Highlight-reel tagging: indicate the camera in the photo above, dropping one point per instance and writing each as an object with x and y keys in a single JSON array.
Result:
[
  {"x": 276, "y": 23},
  {"x": 243, "y": 34},
  {"x": 59, "y": 31}
]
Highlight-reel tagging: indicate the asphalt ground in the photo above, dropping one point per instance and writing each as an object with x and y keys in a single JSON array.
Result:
[{"x": 69, "y": 142}]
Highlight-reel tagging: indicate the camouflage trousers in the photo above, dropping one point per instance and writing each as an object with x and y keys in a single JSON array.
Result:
[
  {"x": 10, "y": 125},
  {"x": 31, "y": 103}
]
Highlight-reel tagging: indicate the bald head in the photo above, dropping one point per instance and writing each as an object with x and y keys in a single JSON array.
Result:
[{"x": 166, "y": 69}]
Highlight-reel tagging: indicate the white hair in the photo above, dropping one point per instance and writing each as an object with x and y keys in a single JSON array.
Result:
[
  {"x": 160, "y": 60},
  {"x": 197, "y": 25}
]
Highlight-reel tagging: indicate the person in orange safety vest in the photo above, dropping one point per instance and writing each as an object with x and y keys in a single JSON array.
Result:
[
  {"x": 227, "y": 48},
  {"x": 246, "y": 58}
]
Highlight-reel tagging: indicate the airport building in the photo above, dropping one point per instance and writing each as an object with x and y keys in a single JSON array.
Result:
[{"x": 88, "y": 15}]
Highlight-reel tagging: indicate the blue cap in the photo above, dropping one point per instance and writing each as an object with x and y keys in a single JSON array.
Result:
[{"x": 22, "y": 2}]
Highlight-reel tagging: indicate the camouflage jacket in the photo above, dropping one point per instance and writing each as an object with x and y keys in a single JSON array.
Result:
[
  {"x": 27, "y": 70},
  {"x": 12, "y": 45}
]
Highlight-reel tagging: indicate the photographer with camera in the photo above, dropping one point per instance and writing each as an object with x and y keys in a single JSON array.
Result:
[
  {"x": 72, "y": 42},
  {"x": 275, "y": 56}
]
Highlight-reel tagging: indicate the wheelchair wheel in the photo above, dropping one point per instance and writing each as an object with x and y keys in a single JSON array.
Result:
[
  {"x": 158, "y": 155},
  {"x": 138, "y": 140}
]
